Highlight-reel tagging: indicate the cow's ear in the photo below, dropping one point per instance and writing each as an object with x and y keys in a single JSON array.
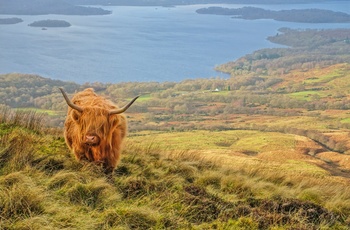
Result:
[
  {"x": 117, "y": 120},
  {"x": 75, "y": 115},
  {"x": 113, "y": 120}
]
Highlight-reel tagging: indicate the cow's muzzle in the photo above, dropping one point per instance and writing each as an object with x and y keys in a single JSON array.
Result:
[{"x": 92, "y": 140}]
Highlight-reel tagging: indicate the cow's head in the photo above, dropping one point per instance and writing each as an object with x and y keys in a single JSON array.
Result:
[{"x": 95, "y": 124}]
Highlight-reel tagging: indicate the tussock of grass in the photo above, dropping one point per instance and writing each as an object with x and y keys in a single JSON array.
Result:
[
  {"x": 310, "y": 194},
  {"x": 236, "y": 184},
  {"x": 36, "y": 222},
  {"x": 134, "y": 187},
  {"x": 18, "y": 150},
  {"x": 201, "y": 206},
  {"x": 186, "y": 169},
  {"x": 20, "y": 201},
  {"x": 132, "y": 218},
  {"x": 43, "y": 187},
  {"x": 64, "y": 179},
  {"x": 210, "y": 179},
  {"x": 93, "y": 194}
]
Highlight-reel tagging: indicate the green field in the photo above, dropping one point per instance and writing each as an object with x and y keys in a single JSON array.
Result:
[
  {"x": 238, "y": 140},
  {"x": 307, "y": 95}
]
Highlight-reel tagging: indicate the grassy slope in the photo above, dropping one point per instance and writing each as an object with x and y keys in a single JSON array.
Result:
[{"x": 198, "y": 180}]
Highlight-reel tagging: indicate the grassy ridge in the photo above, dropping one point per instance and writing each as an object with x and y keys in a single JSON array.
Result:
[{"x": 43, "y": 187}]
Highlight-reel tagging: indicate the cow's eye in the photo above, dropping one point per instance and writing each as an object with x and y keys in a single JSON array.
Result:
[{"x": 75, "y": 115}]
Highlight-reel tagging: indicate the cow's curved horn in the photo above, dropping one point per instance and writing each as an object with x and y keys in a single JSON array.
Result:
[
  {"x": 117, "y": 111},
  {"x": 73, "y": 106}
]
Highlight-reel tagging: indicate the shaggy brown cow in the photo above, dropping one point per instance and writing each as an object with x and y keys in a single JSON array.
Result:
[{"x": 95, "y": 128}]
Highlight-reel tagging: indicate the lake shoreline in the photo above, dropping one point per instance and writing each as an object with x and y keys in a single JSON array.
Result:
[{"x": 139, "y": 44}]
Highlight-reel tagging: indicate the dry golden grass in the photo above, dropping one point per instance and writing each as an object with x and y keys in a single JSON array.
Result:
[{"x": 282, "y": 160}]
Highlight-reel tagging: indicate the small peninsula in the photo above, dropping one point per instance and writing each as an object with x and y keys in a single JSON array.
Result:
[
  {"x": 9, "y": 21},
  {"x": 44, "y": 7},
  {"x": 50, "y": 23},
  {"x": 295, "y": 15}
]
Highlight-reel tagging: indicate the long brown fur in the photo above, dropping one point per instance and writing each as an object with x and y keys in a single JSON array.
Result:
[{"x": 95, "y": 120}]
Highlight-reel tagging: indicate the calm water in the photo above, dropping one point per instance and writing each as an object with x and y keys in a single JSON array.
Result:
[{"x": 140, "y": 43}]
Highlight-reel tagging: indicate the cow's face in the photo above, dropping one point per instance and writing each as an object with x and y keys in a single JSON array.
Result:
[{"x": 95, "y": 125}]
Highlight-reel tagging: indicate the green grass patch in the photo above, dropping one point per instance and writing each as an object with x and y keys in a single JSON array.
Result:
[
  {"x": 262, "y": 141},
  {"x": 46, "y": 111},
  {"x": 345, "y": 120},
  {"x": 306, "y": 95},
  {"x": 144, "y": 97},
  {"x": 323, "y": 78},
  {"x": 191, "y": 140},
  {"x": 238, "y": 140},
  {"x": 300, "y": 167}
]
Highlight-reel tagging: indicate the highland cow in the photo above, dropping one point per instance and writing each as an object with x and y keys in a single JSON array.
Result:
[{"x": 95, "y": 128}]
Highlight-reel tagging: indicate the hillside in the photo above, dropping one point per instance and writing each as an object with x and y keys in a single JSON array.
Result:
[
  {"x": 306, "y": 49},
  {"x": 261, "y": 182},
  {"x": 266, "y": 149},
  {"x": 294, "y": 15}
]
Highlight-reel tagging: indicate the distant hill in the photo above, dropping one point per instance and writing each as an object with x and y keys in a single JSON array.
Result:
[
  {"x": 187, "y": 2},
  {"x": 80, "y": 7},
  {"x": 295, "y": 15},
  {"x": 42, "y": 7}
]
